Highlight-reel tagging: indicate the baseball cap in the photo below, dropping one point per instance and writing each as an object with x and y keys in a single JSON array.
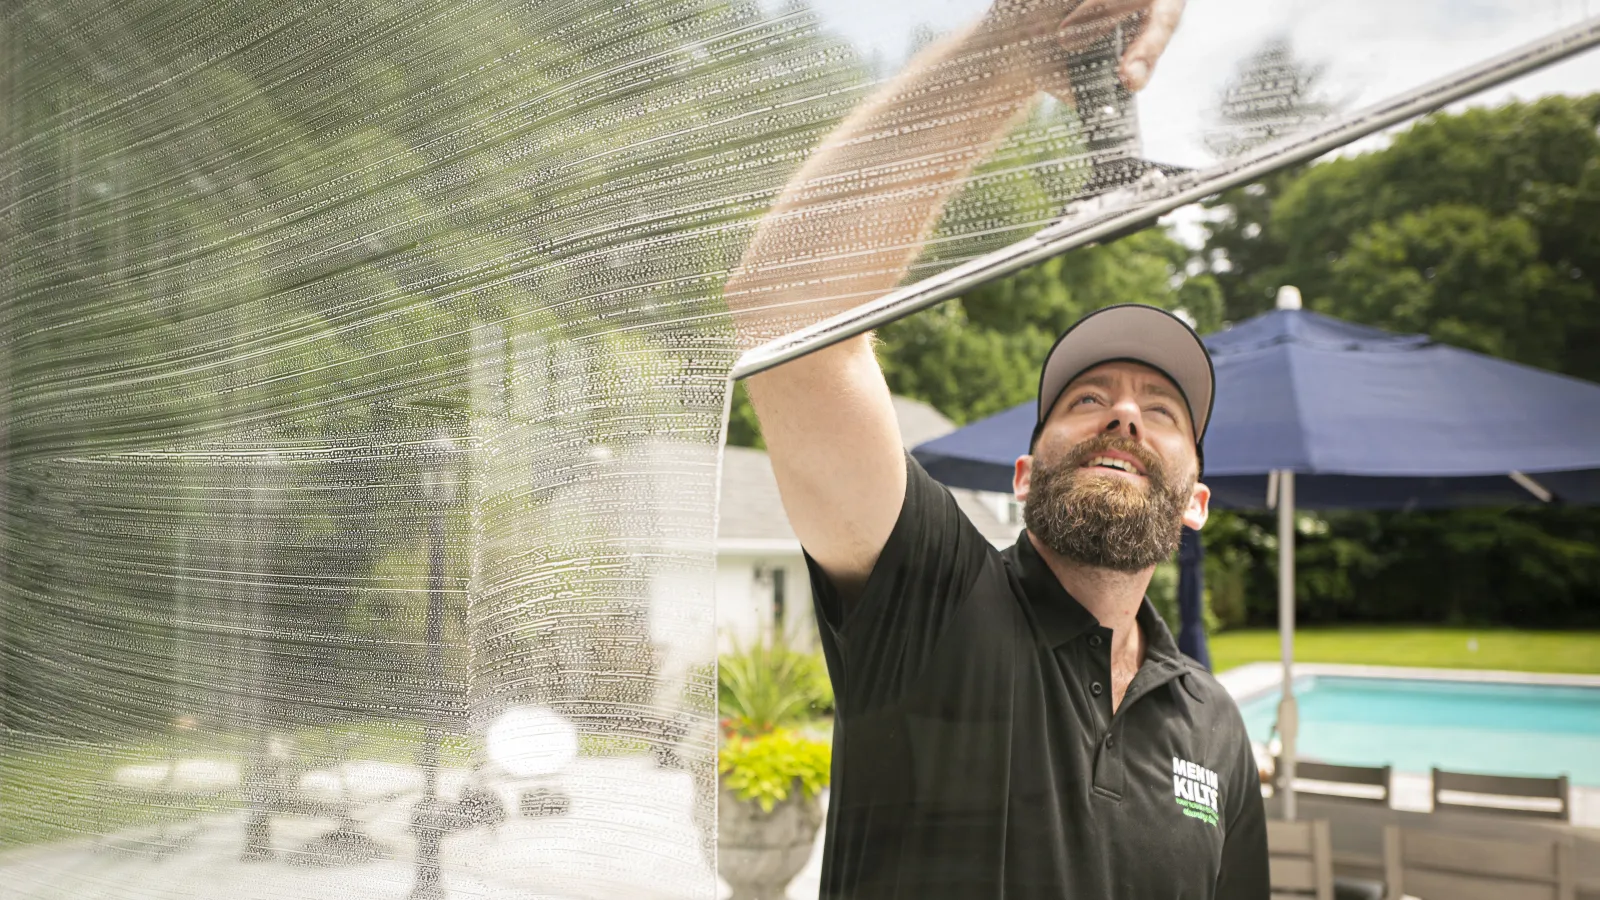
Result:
[{"x": 1131, "y": 332}]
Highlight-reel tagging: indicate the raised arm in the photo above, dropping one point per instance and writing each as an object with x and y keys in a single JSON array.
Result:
[{"x": 849, "y": 224}]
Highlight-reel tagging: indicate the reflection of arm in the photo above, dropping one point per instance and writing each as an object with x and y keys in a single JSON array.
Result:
[
  {"x": 845, "y": 230},
  {"x": 850, "y": 222}
]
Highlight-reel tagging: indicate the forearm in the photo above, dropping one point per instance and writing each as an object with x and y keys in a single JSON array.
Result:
[
  {"x": 851, "y": 221},
  {"x": 844, "y": 231}
]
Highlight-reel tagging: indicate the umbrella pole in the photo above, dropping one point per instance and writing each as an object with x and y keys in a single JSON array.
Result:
[{"x": 1288, "y": 712}]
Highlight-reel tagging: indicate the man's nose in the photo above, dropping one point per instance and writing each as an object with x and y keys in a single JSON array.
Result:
[{"x": 1125, "y": 419}]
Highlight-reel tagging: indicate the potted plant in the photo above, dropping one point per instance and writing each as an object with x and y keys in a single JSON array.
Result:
[{"x": 771, "y": 770}]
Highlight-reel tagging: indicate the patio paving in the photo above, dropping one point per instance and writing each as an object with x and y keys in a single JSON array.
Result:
[{"x": 651, "y": 853}]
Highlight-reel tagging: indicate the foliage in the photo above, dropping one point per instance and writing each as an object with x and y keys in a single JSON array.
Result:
[
  {"x": 591, "y": 744},
  {"x": 768, "y": 685},
  {"x": 1244, "y": 259},
  {"x": 744, "y": 429},
  {"x": 1235, "y": 545},
  {"x": 1163, "y": 594},
  {"x": 767, "y": 767}
]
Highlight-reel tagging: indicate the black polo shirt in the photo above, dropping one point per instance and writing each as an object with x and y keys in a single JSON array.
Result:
[{"x": 975, "y": 752}]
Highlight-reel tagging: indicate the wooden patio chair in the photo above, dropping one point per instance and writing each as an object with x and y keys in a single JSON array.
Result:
[
  {"x": 1432, "y": 866},
  {"x": 1506, "y": 795},
  {"x": 1359, "y": 784},
  {"x": 1300, "y": 855}
]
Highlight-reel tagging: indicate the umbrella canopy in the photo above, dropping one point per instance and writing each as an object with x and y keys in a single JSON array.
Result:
[
  {"x": 1333, "y": 415},
  {"x": 1366, "y": 419}
]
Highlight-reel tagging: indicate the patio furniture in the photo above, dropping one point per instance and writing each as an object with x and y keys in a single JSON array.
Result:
[
  {"x": 1506, "y": 795},
  {"x": 1430, "y": 865},
  {"x": 1358, "y": 784},
  {"x": 1301, "y": 859}
]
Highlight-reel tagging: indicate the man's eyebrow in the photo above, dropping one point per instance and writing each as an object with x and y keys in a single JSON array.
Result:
[
  {"x": 1162, "y": 389},
  {"x": 1106, "y": 382},
  {"x": 1157, "y": 387},
  {"x": 1100, "y": 381}
]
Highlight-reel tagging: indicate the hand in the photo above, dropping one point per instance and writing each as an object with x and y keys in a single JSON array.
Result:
[{"x": 1074, "y": 25}]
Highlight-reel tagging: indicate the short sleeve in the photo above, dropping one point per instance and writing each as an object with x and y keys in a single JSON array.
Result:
[{"x": 929, "y": 565}]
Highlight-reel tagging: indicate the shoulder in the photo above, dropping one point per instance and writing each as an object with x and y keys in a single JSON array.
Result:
[
  {"x": 1219, "y": 709},
  {"x": 1220, "y": 714},
  {"x": 1202, "y": 684},
  {"x": 953, "y": 518}
]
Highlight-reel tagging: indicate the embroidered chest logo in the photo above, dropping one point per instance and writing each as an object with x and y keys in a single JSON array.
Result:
[{"x": 1195, "y": 789}]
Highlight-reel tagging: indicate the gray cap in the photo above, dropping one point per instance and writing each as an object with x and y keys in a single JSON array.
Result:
[{"x": 1132, "y": 332}]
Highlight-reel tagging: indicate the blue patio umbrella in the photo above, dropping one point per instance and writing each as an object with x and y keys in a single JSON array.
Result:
[
  {"x": 1365, "y": 419},
  {"x": 1191, "y": 598},
  {"x": 1335, "y": 415}
]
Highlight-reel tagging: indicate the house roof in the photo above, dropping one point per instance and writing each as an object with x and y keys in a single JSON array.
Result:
[
  {"x": 919, "y": 422},
  {"x": 751, "y": 512},
  {"x": 750, "y": 508}
]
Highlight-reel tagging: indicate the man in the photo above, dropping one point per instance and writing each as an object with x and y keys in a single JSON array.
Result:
[{"x": 1015, "y": 724}]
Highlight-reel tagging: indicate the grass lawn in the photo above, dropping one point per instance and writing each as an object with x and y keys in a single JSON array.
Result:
[
  {"x": 55, "y": 789},
  {"x": 1445, "y": 648}
]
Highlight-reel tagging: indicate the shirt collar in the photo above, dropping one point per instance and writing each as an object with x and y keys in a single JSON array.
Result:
[{"x": 1062, "y": 618}]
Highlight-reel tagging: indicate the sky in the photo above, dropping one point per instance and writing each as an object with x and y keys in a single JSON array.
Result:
[{"x": 1370, "y": 50}]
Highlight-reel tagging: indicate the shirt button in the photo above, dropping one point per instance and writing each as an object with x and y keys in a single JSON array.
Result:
[
  {"x": 1094, "y": 640},
  {"x": 1095, "y": 689},
  {"x": 1111, "y": 740}
]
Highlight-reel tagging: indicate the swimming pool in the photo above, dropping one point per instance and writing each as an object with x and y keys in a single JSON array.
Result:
[{"x": 1415, "y": 724}]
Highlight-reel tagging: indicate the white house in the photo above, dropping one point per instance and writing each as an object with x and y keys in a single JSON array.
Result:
[{"x": 762, "y": 584}]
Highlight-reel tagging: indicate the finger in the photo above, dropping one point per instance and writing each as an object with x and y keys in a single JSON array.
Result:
[
  {"x": 1140, "y": 59},
  {"x": 1103, "y": 9}
]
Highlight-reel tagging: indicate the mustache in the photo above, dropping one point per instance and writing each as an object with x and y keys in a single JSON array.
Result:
[{"x": 1100, "y": 443}]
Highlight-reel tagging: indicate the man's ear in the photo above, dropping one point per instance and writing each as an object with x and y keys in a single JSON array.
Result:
[
  {"x": 1019, "y": 478},
  {"x": 1199, "y": 508}
]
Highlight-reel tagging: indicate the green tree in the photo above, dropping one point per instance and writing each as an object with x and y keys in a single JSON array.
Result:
[
  {"x": 1477, "y": 228},
  {"x": 1244, "y": 257}
]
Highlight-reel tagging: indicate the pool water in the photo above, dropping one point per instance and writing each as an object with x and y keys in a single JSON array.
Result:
[{"x": 1466, "y": 726}]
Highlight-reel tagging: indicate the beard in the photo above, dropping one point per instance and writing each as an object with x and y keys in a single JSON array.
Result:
[{"x": 1106, "y": 522}]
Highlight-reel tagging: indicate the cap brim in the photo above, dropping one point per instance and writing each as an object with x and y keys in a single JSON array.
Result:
[{"x": 1133, "y": 333}]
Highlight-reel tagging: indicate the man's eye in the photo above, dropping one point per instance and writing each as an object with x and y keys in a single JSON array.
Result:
[
  {"x": 1089, "y": 398},
  {"x": 1163, "y": 411}
]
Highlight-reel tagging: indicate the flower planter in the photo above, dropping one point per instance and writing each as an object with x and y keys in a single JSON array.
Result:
[{"x": 760, "y": 852}]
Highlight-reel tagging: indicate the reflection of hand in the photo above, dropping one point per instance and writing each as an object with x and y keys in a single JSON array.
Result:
[{"x": 1076, "y": 24}]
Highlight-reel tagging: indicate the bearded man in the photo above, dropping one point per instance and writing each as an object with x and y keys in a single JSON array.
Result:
[{"x": 1009, "y": 724}]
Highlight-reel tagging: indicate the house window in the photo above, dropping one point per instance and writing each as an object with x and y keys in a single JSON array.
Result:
[{"x": 778, "y": 598}]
